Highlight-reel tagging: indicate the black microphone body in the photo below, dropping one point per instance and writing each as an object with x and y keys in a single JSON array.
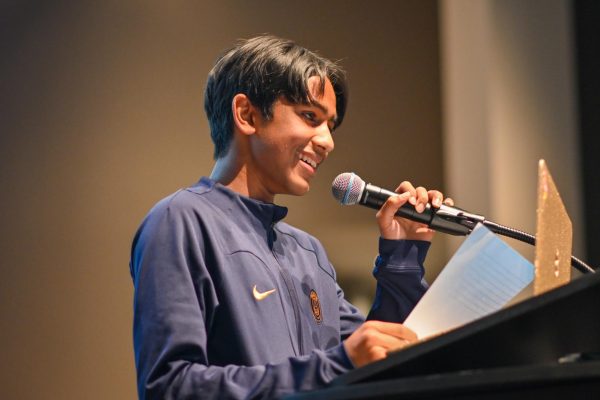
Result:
[
  {"x": 349, "y": 189},
  {"x": 441, "y": 219}
]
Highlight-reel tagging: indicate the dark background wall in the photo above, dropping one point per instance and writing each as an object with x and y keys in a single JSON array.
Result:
[
  {"x": 587, "y": 34},
  {"x": 101, "y": 116}
]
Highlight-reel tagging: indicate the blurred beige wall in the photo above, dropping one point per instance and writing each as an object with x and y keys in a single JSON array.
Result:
[
  {"x": 509, "y": 100},
  {"x": 101, "y": 116}
]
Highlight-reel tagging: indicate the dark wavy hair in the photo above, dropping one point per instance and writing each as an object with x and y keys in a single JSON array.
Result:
[{"x": 266, "y": 68}]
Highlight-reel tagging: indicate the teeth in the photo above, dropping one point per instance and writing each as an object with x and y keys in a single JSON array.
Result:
[{"x": 309, "y": 161}]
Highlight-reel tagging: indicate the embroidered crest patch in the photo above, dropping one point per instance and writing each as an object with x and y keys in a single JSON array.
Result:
[{"x": 316, "y": 306}]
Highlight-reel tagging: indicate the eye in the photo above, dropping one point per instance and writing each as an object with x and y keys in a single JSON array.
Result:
[{"x": 309, "y": 116}]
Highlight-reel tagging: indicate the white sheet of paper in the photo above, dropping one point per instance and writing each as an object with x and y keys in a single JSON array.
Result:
[{"x": 482, "y": 276}]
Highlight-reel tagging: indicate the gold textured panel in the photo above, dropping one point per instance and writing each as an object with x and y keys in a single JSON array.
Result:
[{"x": 553, "y": 237}]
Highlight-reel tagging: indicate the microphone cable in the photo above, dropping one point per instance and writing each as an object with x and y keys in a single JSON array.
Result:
[{"x": 530, "y": 239}]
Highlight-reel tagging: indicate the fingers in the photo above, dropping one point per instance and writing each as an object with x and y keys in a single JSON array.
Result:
[
  {"x": 374, "y": 339},
  {"x": 418, "y": 196},
  {"x": 377, "y": 353},
  {"x": 407, "y": 187},
  {"x": 393, "y": 227},
  {"x": 393, "y": 329},
  {"x": 435, "y": 197},
  {"x": 449, "y": 202},
  {"x": 388, "y": 226},
  {"x": 391, "y": 206},
  {"x": 422, "y": 199}
]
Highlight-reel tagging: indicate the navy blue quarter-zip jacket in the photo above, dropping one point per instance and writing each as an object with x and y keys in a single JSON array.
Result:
[{"x": 231, "y": 302}]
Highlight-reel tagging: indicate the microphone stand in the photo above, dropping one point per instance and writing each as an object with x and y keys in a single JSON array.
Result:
[
  {"x": 528, "y": 238},
  {"x": 450, "y": 216}
]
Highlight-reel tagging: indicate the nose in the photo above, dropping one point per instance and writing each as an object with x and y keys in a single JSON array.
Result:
[{"x": 323, "y": 139}]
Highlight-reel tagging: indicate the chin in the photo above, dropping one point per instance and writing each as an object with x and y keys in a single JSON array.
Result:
[
  {"x": 299, "y": 189},
  {"x": 298, "y": 192}
]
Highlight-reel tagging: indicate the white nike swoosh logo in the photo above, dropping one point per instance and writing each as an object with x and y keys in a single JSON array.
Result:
[{"x": 261, "y": 296}]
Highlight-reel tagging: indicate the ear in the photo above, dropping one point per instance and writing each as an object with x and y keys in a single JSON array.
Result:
[{"x": 244, "y": 114}]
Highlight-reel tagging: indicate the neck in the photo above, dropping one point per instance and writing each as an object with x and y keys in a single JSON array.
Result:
[{"x": 234, "y": 173}]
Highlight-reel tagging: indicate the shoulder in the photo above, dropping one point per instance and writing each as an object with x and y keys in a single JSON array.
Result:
[
  {"x": 179, "y": 211},
  {"x": 183, "y": 203}
]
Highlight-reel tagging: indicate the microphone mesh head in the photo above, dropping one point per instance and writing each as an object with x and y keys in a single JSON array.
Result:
[{"x": 347, "y": 188}]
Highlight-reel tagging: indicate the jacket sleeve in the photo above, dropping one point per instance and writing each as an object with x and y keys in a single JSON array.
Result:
[
  {"x": 399, "y": 272},
  {"x": 172, "y": 295}
]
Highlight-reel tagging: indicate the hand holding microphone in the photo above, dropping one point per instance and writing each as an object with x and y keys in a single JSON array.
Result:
[
  {"x": 402, "y": 228},
  {"x": 421, "y": 210}
]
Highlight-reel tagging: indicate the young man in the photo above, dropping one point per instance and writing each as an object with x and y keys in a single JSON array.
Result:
[{"x": 231, "y": 302}]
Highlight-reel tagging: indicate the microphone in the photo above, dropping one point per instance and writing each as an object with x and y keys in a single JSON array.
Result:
[{"x": 349, "y": 189}]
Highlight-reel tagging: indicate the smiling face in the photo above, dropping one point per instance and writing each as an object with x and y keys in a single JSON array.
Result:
[{"x": 286, "y": 150}]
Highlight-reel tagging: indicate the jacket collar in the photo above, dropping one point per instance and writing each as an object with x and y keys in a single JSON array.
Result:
[{"x": 267, "y": 213}]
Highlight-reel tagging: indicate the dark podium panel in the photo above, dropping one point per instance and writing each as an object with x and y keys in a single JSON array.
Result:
[
  {"x": 525, "y": 340},
  {"x": 558, "y": 381}
]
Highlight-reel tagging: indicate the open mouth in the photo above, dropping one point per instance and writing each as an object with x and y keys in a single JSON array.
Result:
[{"x": 309, "y": 161}]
